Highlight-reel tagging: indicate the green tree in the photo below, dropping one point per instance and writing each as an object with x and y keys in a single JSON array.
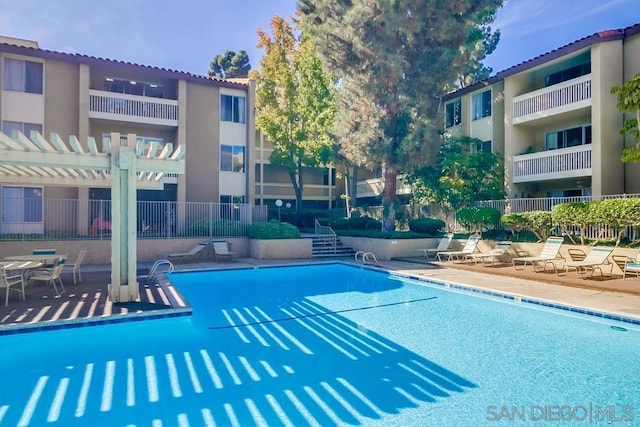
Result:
[
  {"x": 459, "y": 176},
  {"x": 629, "y": 102},
  {"x": 230, "y": 64},
  {"x": 295, "y": 102},
  {"x": 394, "y": 60}
]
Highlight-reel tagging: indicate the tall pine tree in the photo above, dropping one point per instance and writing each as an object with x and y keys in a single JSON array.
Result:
[{"x": 394, "y": 59}]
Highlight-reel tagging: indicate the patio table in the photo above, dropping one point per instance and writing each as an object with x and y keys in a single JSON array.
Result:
[{"x": 20, "y": 265}]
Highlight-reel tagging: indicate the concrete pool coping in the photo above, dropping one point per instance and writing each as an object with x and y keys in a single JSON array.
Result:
[{"x": 72, "y": 308}]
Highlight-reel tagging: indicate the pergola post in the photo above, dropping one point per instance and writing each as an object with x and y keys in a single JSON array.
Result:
[{"x": 124, "y": 284}]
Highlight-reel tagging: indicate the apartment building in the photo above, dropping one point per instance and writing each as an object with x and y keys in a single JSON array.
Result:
[
  {"x": 554, "y": 118},
  {"x": 88, "y": 97}
]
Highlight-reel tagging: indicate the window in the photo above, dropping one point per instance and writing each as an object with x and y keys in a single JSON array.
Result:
[
  {"x": 567, "y": 74},
  {"x": 233, "y": 109},
  {"x": 22, "y": 76},
  {"x": 21, "y": 204},
  {"x": 481, "y": 103},
  {"x": 565, "y": 138},
  {"x": 453, "y": 113},
  {"x": 480, "y": 146},
  {"x": 231, "y": 158},
  {"x": 231, "y": 199},
  {"x": 132, "y": 87},
  {"x": 8, "y": 128}
]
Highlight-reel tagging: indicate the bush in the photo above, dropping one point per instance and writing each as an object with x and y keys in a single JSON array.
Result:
[
  {"x": 273, "y": 230},
  {"x": 537, "y": 222},
  {"x": 475, "y": 219},
  {"x": 305, "y": 219},
  {"x": 426, "y": 225},
  {"x": 377, "y": 234},
  {"x": 356, "y": 223}
]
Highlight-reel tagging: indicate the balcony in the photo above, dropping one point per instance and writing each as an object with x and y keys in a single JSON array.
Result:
[
  {"x": 375, "y": 186},
  {"x": 561, "y": 98},
  {"x": 132, "y": 108},
  {"x": 573, "y": 162}
]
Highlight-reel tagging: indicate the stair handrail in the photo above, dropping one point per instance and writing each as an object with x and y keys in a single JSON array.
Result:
[{"x": 326, "y": 231}]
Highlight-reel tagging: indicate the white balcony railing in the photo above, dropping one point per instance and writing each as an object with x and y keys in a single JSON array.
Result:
[
  {"x": 132, "y": 108},
  {"x": 570, "y": 162},
  {"x": 567, "y": 96},
  {"x": 375, "y": 186}
]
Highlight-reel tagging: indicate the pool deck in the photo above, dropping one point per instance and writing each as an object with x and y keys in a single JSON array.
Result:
[{"x": 87, "y": 301}]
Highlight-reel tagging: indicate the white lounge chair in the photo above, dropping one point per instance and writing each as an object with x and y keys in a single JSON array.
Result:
[
  {"x": 443, "y": 245},
  {"x": 496, "y": 255},
  {"x": 221, "y": 250},
  {"x": 75, "y": 266},
  {"x": 628, "y": 266},
  {"x": 10, "y": 283},
  {"x": 194, "y": 252},
  {"x": 470, "y": 247},
  {"x": 549, "y": 254},
  {"x": 596, "y": 259}
]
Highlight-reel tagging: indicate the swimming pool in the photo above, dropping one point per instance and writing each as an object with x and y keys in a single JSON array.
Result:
[{"x": 324, "y": 345}]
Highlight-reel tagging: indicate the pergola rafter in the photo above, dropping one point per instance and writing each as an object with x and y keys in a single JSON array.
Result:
[{"x": 122, "y": 167}]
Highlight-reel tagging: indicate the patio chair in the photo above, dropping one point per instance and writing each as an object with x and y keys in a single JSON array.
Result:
[
  {"x": 221, "y": 250},
  {"x": 194, "y": 252},
  {"x": 627, "y": 264},
  {"x": 596, "y": 259},
  {"x": 443, "y": 245},
  {"x": 50, "y": 275},
  {"x": 549, "y": 254},
  {"x": 470, "y": 247},
  {"x": 10, "y": 283},
  {"x": 497, "y": 255},
  {"x": 75, "y": 266}
]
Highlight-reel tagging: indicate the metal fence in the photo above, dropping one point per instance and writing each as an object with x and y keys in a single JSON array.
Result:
[
  {"x": 64, "y": 219},
  {"x": 407, "y": 212}
]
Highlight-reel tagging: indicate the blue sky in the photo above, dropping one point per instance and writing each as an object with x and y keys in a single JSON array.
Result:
[{"x": 185, "y": 35}]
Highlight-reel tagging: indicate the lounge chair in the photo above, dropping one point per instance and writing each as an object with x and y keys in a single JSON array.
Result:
[
  {"x": 497, "y": 255},
  {"x": 443, "y": 245},
  {"x": 627, "y": 264},
  {"x": 470, "y": 247},
  {"x": 194, "y": 252},
  {"x": 75, "y": 266},
  {"x": 50, "y": 275},
  {"x": 549, "y": 254},
  {"x": 11, "y": 283},
  {"x": 595, "y": 260},
  {"x": 221, "y": 251}
]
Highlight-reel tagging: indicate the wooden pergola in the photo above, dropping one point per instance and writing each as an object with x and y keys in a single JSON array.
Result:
[{"x": 124, "y": 166}]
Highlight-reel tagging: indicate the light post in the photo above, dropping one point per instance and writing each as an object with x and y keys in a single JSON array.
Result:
[{"x": 279, "y": 205}]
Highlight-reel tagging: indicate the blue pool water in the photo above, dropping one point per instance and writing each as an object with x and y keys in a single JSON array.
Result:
[{"x": 327, "y": 345}]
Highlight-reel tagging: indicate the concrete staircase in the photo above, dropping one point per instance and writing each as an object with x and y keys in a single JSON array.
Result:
[{"x": 326, "y": 246}]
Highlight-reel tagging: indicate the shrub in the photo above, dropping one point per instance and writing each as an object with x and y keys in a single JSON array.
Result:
[
  {"x": 537, "y": 222},
  {"x": 573, "y": 214},
  {"x": 426, "y": 225},
  {"x": 356, "y": 223},
  {"x": 216, "y": 227},
  {"x": 273, "y": 230},
  {"x": 475, "y": 219}
]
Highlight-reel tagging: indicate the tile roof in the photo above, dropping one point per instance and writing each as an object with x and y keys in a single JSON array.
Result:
[
  {"x": 125, "y": 66},
  {"x": 601, "y": 36}
]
